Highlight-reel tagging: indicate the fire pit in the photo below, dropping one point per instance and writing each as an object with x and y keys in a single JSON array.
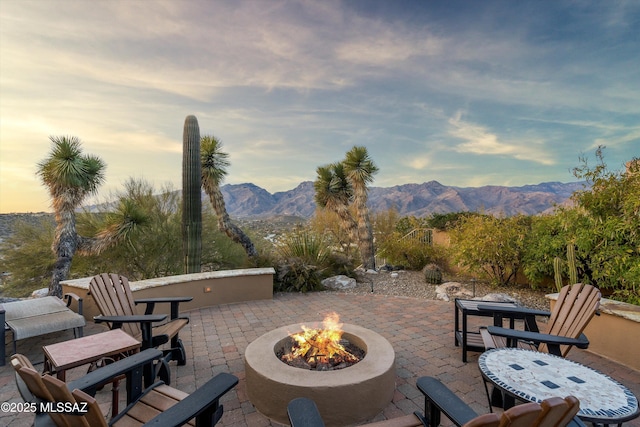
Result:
[
  {"x": 320, "y": 349},
  {"x": 343, "y": 396}
]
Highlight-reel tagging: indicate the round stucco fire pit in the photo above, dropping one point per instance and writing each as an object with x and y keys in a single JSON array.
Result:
[{"x": 345, "y": 396}]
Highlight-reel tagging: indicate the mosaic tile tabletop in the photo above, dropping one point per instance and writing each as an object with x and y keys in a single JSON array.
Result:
[{"x": 535, "y": 376}]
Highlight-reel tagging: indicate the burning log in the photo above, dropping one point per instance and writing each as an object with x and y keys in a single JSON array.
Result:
[{"x": 321, "y": 349}]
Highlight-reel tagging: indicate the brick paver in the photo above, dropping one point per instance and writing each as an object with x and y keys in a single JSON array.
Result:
[{"x": 420, "y": 331}]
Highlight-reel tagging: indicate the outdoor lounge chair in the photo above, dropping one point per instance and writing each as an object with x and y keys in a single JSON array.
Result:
[
  {"x": 439, "y": 400},
  {"x": 114, "y": 299},
  {"x": 157, "y": 405},
  {"x": 575, "y": 307},
  {"x": 39, "y": 316}
]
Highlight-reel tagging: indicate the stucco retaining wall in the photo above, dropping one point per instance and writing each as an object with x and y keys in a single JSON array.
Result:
[{"x": 207, "y": 289}]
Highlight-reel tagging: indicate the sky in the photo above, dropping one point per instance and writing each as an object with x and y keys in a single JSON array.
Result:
[{"x": 467, "y": 93}]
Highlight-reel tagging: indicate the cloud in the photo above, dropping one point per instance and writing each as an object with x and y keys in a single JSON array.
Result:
[{"x": 480, "y": 141}]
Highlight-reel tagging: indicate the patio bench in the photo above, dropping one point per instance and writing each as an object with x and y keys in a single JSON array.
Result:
[{"x": 38, "y": 316}]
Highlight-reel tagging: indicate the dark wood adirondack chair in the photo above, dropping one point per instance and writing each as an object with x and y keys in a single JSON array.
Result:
[
  {"x": 575, "y": 307},
  {"x": 553, "y": 412},
  {"x": 115, "y": 301},
  {"x": 157, "y": 405}
]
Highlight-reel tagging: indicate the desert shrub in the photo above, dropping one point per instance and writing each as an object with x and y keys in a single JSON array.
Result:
[
  {"x": 338, "y": 263},
  {"x": 447, "y": 221},
  {"x": 491, "y": 246},
  {"x": 150, "y": 251},
  {"x": 612, "y": 239},
  {"x": 603, "y": 226},
  {"x": 27, "y": 255},
  {"x": 327, "y": 224},
  {"x": 547, "y": 239},
  {"x": 302, "y": 256},
  {"x": 296, "y": 275},
  {"x": 410, "y": 253},
  {"x": 156, "y": 249}
]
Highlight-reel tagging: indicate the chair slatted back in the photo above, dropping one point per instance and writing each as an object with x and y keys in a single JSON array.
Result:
[
  {"x": 61, "y": 393},
  {"x": 28, "y": 374},
  {"x": 575, "y": 307},
  {"x": 557, "y": 412},
  {"x": 94, "y": 415},
  {"x": 34, "y": 383},
  {"x": 113, "y": 297},
  {"x": 552, "y": 412}
]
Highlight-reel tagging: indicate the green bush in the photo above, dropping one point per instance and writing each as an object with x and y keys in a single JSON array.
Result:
[
  {"x": 296, "y": 275},
  {"x": 27, "y": 255},
  {"x": 305, "y": 259},
  {"x": 491, "y": 246},
  {"x": 409, "y": 253},
  {"x": 150, "y": 251}
]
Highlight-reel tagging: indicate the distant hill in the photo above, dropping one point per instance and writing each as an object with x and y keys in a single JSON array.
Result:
[{"x": 249, "y": 200}]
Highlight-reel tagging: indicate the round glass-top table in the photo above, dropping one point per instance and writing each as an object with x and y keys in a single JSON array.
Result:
[{"x": 533, "y": 376}]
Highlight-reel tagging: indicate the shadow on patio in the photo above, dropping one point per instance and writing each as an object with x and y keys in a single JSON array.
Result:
[{"x": 420, "y": 331}]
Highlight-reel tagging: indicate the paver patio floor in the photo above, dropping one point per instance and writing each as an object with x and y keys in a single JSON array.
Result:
[{"x": 420, "y": 331}]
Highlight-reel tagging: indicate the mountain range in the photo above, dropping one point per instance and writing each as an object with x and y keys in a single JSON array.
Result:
[{"x": 250, "y": 200}]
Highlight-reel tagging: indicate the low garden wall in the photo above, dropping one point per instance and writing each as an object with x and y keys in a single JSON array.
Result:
[
  {"x": 614, "y": 333},
  {"x": 207, "y": 289}
]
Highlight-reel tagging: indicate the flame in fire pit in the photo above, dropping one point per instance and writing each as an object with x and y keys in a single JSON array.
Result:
[{"x": 321, "y": 346}]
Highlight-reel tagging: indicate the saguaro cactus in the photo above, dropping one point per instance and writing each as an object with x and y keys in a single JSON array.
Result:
[
  {"x": 558, "y": 265},
  {"x": 191, "y": 196},
  {"x": 571, "y": 263}
]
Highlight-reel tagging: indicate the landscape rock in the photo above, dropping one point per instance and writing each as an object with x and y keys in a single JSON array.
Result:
[
  {"x": 339, "y": 282},
  {"x": 40, "y": 293},
  {"x": 498, "y": 298},
  {"x": 452, "y": 289}
]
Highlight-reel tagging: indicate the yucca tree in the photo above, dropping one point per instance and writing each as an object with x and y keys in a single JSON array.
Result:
[
  {"x": 333, "y": 192},
  {"x": 214, "y": 168},
  {"x": 70, "y": 177},
  {"x": 359, "y": 170}
]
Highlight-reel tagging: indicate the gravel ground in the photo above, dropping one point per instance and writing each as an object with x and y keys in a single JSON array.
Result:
[{"x": 412, "y": 284}]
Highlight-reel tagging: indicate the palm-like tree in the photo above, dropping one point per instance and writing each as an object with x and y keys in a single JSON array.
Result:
[
  {"x": 359, "y": 170},
  {"x": 70, "y": 177},
  {"x": 214, "y": 164},
  {"x": 333, "y": 192}
]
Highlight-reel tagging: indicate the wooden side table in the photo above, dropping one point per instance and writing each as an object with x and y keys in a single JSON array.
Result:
[
  {"x": 62, "y": 356},
  {"x": 472, "y": 340}
]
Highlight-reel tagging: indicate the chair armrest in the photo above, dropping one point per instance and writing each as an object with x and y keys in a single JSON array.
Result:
[
  {"x": 145, "y": 321},
  {"x": 202, "y": 404},
  {"x": 130, "y": 366},
  {"x": 303, "y": 412},
  {"x": 151, "y": 304},
  {"x": 553, "y": 341},
  {"x": 516, "y": 312},
  {"x": 438, "y": 398},
  {"x": 138, "y": 318},
  {"x": 69, "y": 296},
  {"x": 162, "y": 299}
]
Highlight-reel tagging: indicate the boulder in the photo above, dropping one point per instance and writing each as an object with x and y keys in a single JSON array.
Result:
[
  {"x": 498, "y": 298},
  {"x": 452, "y": 289},
  {"x": 339, "y": 282}
]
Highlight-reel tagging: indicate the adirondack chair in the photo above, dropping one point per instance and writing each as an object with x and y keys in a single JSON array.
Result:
[
  {"x": 439, "y": 399},
  {"x": 33, "y": 390},
  {"x": 115, "y": 301},
  {"x": 575, "y": 307},
  {"x": 158, "y": 405}
]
